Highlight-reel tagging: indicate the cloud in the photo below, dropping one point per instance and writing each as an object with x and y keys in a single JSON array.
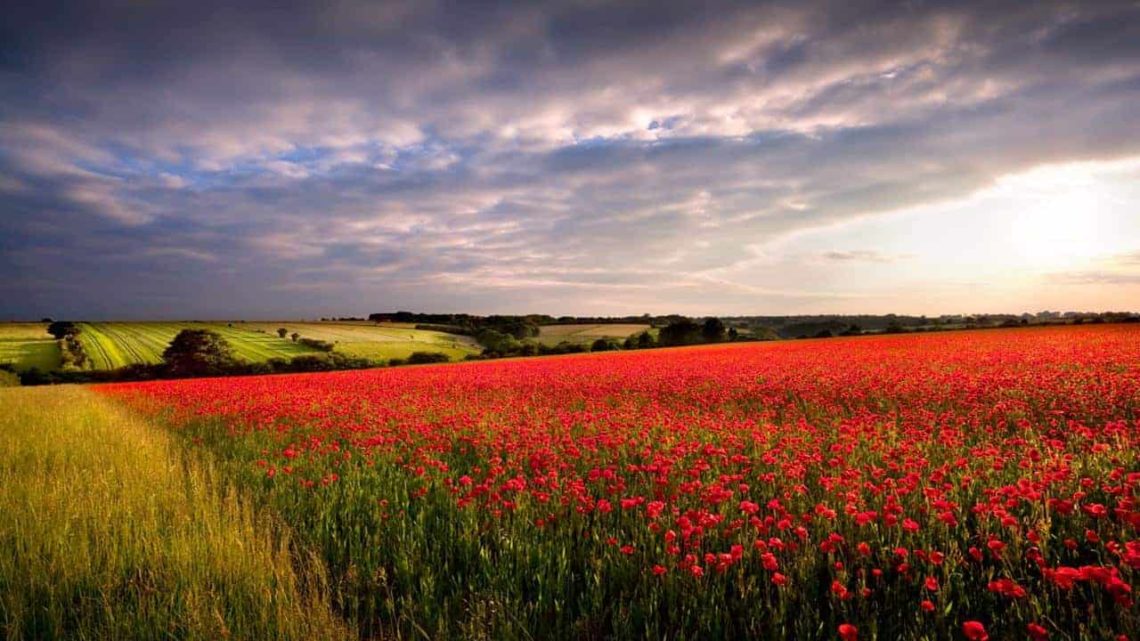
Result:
[
  {"x": 863, "y": 256},
  {"x": 1132, "y": 258},
  {"x": 1097, "y": 278},
  {"x": 405, "y": 154}
]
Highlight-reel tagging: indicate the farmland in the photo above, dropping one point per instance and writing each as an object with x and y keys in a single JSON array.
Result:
[
  {"x": 376, "y": 341},
  {"x": 111, "y": 345},
  {"x": 587, "y": 333},
  {"x": 945, "y": 486},
  {"x": 27, "y": 345}
]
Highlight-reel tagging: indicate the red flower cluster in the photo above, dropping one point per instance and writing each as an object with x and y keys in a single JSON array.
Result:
[{"x": 996, "y": 471}]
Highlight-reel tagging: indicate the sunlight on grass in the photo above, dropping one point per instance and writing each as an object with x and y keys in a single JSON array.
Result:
[{"x": 111, "y": 531}]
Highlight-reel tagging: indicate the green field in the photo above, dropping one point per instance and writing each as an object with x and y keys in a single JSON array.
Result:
[
  {"x": 113, "y": 530},
  {"x": 583, "y": 334},
  {"x": 110, "y": 345},
  {"x": 27, "y": 345},
  {"x": 369, "y": 340},
  {"x": 114, "y": 345}
]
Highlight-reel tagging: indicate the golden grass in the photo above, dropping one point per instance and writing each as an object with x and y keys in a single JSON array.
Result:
[{"x": 110, "y": 530}]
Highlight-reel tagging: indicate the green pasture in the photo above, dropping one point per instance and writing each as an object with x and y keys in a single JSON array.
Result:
[
  {"x": 114, "y": 345},
  {"x": 28, "y": 345},
  {"x": 587, "y": 333},
  {"x": 379, "y": 342},
  {"x": 110, "y": 345}
]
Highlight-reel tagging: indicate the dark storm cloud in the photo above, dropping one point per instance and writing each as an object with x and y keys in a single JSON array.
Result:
[{"x": 276, "y": 158}]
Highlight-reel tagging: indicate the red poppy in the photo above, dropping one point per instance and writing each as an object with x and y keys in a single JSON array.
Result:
[{"x": 975, "y": 631}]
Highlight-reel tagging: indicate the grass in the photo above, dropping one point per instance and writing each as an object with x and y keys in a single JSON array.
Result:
[
  {"x": 382, "y": 342},
  {"x": 112, "y": 345},
  {"x": 111, "y": 530},
  {"x": 586, "y": 333},
  {"x": 28, "y": 345}
]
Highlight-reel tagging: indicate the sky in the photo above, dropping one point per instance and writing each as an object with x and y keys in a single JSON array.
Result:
[{"x": 281, "y": 159}]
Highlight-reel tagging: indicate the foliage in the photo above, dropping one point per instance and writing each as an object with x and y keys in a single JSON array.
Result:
[
  {"x": 323, "y": 346},
  {"x": 423, "y": 358},
  {"x": 680, "y": 332},
  {"x": 604, "y": 345},
  {"x": 713, "y": 330},
  {"x": 71, "y": 352},
  {"x": 63, "y": 329},
  {"x": 496, "y": 342},
  {"x": 198, "y": 352}
]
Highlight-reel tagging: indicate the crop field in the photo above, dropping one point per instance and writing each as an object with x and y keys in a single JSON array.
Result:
[
  {"x": 113, "y": 345},
  {"x": 379, "y": 342},
  {"x": 974, "y": 485},
  {"x": 582, "y": 333},
  {"x": 117, "y": 344},
  {"x": 27, "y": 345}
]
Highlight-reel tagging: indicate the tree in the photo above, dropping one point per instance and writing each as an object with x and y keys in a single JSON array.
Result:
[
  {"x": 713, "y": 330},
  {"x": 644, "y": 340},
  {"x": 295, "y": 336},
  {"x": 518, "y": 327},
  {"x": 680, "y": 332},
  {"x": 604, "y": 345},
  {"x": 282, "y": 332},
  {"x": 63, "y": 329},
  {"x": 733, "y": 333},
  {"x": 496, "y": 342},
  {"x": 198, "y": 352}
]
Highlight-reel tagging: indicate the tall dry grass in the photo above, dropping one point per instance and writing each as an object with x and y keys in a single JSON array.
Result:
[{"x": 109, "y": 529}]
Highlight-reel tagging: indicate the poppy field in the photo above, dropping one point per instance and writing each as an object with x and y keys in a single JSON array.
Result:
[{"x": 967, "y": 485}]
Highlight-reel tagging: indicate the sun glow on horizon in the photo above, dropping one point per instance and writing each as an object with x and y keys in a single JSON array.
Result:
[
  {"x": 1026, "y": 241},
  {"x": 1064, "y": 219}
]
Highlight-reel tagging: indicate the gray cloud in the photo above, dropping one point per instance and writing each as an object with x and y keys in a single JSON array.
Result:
[{"x": 270, "y": 158}]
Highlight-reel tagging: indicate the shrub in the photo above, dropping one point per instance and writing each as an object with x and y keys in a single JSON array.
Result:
[
  {"x": 323, "y": 346},
  {"x": 423, "y": 358},
  {"x": 604, "y": 345}
]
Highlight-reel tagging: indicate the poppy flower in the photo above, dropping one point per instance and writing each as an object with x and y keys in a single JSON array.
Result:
[{"x": 975, "y": 631}]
